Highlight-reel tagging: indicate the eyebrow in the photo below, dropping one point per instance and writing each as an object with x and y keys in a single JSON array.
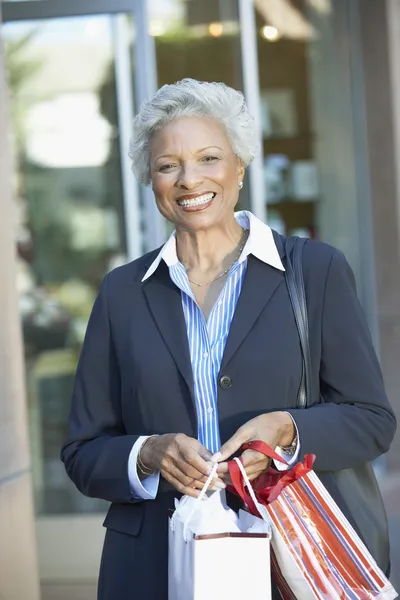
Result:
[{"x": 198, "y": 152}]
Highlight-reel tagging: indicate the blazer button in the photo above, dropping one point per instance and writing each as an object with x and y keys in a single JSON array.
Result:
[{"x": 225, "y": 382}]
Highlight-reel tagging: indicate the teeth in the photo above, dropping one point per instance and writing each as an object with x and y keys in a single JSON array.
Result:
[{"x": 197, "y": 201}]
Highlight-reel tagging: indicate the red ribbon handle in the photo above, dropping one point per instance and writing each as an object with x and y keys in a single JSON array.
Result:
[
  {"x": 236, "y": 475},
  {"x": 271, "y": 489},
  {"x": 263, "y": 448}
]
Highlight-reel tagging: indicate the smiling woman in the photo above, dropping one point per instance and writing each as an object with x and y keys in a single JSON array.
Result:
[
  {"x": 193, "y": 177},
  {"x": 193, "y": 350}
]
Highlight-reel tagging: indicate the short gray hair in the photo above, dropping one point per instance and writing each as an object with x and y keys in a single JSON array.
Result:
[{"x": 192, "y": 98}]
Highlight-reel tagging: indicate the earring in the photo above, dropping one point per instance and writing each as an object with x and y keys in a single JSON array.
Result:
[{"x": 240, "y": 185}]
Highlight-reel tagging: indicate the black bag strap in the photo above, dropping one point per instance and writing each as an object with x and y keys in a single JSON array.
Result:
[{"x": 295, "y": 284}]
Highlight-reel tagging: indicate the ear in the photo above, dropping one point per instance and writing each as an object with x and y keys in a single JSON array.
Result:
[{"x": 240, "y": 170}]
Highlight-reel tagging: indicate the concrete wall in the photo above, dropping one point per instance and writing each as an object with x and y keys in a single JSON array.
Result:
[{"x": 18, "y": 565}]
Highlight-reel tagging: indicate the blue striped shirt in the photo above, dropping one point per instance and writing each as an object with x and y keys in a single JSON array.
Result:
[{"x": 207, "y": 341}]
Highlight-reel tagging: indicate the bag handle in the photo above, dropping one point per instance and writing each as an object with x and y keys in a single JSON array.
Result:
[
  {"x": 208, "y": 482},
  {"x": 263, "y": 448},
  {"x": 240, "y": 480},
  {"x": 198, "y": 499},
  {"x": 295, "y": 284}
]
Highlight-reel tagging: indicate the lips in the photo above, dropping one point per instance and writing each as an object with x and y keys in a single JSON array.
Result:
[{"x": 194, "y": 201}]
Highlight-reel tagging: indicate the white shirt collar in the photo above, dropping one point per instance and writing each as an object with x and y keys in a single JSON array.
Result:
[{"x": 260, "y": 244}]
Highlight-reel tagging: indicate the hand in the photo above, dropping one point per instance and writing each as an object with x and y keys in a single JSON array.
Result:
[
  {"x": 275, "y": 429},
  {"x": 181, "y": 460}
]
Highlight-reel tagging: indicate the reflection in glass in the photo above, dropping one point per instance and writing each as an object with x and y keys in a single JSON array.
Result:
[
  {"x": 69, "y": 200},
  {"x": 290, "y": 170}
]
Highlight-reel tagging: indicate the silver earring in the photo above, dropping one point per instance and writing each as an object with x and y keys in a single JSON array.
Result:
[{"x": 240, "y": 185}]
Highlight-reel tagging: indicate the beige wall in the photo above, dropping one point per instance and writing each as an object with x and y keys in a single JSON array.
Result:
[
  {"x": 380, "y": 26},
  {"x": 18, "y": 566}
]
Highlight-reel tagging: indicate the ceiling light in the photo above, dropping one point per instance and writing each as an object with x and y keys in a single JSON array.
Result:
[
  {"x": 157, "y": 28},
  {"x": 270, "y": 33},
  {"x": 215, "y": 29}
]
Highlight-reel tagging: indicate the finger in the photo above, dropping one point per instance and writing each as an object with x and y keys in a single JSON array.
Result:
[
  {"x": 226, "y": 478},
  {"x": 255, "y": 475},
  {"x": 180, "y": 487},
  {"x": 233, "y": 445},
  {"x": 251, "y": 476},
  {"x": 195, "y": 462},
  {"x": 176, "y": 471},
  {"x": 249, "y": 458},
  {"x": 203, "y": 452},
  {"x": 179, "y": 461},
  {"x": 254, "y": 463},
  {"x": 252, "y": 457},
  {"x": 188, "y": 469},
  {"x": 190, "y": 477},
  {"x": 222, "y": 469}
]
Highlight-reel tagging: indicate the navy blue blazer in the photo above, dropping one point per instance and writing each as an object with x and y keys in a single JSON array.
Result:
[{"x": 135, "y": 378}]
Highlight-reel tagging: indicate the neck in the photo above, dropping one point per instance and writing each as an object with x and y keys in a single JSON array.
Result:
[{"x": 209, "y": 251}]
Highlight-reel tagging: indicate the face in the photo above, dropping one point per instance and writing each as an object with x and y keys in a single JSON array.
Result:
[{"x": 195, "y": 174}]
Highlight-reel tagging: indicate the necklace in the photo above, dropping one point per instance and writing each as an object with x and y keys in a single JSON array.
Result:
[{"x": 242, "y": 244}]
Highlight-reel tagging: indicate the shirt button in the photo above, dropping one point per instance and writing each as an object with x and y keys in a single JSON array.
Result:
[
  {"x": 205, "y": 355},
  {"x": 225, "y": 382},
  {"x": 210, "y": 410}
]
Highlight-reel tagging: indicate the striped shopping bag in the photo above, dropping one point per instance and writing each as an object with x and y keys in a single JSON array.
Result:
[{"x": 316, "y": 552}]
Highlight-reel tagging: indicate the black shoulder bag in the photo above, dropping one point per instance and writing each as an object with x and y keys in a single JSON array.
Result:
[{"x": 357, "y": 487}]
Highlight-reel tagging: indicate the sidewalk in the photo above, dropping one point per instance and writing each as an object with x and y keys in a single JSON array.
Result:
[
  {"x": 390, "y": 487},
  {"x": 69, "y": 591}
]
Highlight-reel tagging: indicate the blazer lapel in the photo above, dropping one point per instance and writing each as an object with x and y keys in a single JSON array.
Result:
[
  {"x": 164, "y": 300},
  {"x": 259, "y": 285}
]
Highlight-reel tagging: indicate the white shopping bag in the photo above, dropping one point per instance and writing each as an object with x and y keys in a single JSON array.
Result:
[{"x": 216, "y": 554}]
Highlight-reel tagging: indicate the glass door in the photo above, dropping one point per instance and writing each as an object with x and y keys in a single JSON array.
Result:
[{"x": 78, "y": 214}]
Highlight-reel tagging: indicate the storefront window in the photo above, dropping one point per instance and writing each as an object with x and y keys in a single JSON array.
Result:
[
  {"x": 291, "y": 175},
  {"x": 70, "y": 213},
  {"x": 311, "y": 154}
]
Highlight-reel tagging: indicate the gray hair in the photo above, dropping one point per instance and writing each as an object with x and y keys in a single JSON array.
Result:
[{"x": 192, "y": 98}]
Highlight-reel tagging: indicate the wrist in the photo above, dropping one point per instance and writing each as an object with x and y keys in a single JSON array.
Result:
[
  {"x": 287, "y": 430},
  {"x": 147, "y": 456}
]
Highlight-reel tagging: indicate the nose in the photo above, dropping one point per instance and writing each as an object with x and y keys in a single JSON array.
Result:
[{"x": 189, "y": 177}]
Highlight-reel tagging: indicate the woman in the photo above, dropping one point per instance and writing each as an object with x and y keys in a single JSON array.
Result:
[{"x": 195, "y": 345}]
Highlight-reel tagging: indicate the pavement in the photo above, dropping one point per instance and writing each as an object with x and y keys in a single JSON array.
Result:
[
  {"x": 80, "y": 590},
  {"x": 390, "y": 486}
]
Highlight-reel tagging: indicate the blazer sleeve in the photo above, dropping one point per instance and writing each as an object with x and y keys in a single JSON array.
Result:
[
  {"x": 97, "y": 449},
  {"x": 354, "y": 422}
]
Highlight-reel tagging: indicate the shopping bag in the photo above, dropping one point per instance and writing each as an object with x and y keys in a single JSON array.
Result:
[
  {"x": 215, "y": 553},
  {"x": 316, "y": 554}
]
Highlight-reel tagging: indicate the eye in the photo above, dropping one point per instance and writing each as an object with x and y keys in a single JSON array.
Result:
[
  {"x": 165, "y": 168},
  {"x": 209, "y": 159}
]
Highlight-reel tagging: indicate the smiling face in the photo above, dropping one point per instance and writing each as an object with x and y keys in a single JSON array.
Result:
[{"x": 195, "y": 174}]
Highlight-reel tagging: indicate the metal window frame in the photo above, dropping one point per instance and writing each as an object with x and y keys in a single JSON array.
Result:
[
  {"x": 146, "y": 86},
  {"x": 145, "y": 81},
  {"x": 53, "y": 9},
  {"x": 251, "y": 86},
  {"x": 125, "y": 104}
]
